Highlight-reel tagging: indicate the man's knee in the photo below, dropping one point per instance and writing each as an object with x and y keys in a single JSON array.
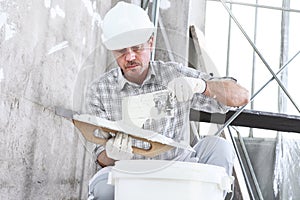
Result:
[
  {"x": 222, "y": 147},
  {"x": 217, "y": 151},
  {"x": 99, "y": 189}
]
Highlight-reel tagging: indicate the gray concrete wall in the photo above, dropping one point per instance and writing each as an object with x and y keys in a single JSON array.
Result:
[
  {"x": 174, "y": 16},
  {"x": 49, "y": 51},
  {"x": 173, "y": 28}
]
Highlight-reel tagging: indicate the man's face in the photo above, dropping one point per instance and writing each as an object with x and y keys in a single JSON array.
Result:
[{"x": 134, "y": 61}]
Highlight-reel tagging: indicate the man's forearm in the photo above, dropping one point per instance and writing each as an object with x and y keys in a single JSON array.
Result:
[{"x": 104, "y": 160}]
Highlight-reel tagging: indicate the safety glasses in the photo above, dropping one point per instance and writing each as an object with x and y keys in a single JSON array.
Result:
[{"x": 136, "y": 49}]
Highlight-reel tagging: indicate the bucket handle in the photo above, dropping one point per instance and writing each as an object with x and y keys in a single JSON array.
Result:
[{"x": 226, "y": 182}]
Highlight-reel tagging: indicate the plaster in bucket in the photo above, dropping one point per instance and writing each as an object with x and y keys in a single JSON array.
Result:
[{"x": 161, "y": 179}]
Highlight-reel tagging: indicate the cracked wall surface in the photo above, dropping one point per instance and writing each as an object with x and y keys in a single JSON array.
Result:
[{"x": 49, "y": 51}]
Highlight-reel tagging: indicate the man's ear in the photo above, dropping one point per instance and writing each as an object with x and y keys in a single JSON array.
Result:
[{"x": 151, "y": 42}]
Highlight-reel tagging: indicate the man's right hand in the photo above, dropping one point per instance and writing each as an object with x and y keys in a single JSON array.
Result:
[
  {"x": 119, "y": 147},
  {"x": 227, "y": 92}
]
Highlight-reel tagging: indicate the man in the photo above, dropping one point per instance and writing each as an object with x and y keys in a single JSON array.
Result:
[{"x": 128, "y": 33}]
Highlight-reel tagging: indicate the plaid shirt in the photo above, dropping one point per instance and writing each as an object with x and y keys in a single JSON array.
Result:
[{"x": 104, "y": 99}]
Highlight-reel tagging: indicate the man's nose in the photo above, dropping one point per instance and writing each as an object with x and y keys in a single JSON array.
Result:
[{"x": 130, "y": 55}]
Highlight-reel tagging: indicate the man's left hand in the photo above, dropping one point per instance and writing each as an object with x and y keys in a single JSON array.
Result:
[{"x": 184, "y": 88}]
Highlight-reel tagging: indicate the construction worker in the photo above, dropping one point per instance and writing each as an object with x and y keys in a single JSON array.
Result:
[{"x": 128, "y": 32}]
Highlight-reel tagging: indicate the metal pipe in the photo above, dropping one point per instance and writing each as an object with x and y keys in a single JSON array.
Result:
[
  {"x": 253, "y": 66},
  {"x": 241, "y": 164},
  {"x": 284, "y": 51},
  {"x": 260, "y": 55},
  {"x": 260, "y": 6},
  {"x": 154, "y": 18},
  {"x": 251, "y": 170},
  {"x": 228, "y": 44},
  {"x": 239, "y": 111}
]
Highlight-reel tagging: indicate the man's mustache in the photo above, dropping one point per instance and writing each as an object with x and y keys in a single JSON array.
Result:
[{"x": 130, "y": 63}]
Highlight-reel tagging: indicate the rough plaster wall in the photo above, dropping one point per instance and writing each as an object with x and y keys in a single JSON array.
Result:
[
  {"x": 174, "y": 18},
  {"x": 49, "y": 51}
]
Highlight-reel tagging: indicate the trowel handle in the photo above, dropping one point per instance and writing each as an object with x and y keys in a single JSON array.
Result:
[
  {"x": 88, "y": 130},
  {"x": 154, "y": 150}
]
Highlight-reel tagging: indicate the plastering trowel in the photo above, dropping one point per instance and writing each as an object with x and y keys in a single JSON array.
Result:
[{"x": 135, "y": 110}]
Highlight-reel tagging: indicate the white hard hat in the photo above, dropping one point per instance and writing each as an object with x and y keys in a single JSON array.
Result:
[{"x": 126, "y": 25}]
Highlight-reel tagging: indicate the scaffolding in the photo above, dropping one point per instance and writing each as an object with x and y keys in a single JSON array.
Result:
[{"x": 250, "y": 118}]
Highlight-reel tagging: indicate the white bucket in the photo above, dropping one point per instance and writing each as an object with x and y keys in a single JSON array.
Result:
[{"x": 159, "y": 179}]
